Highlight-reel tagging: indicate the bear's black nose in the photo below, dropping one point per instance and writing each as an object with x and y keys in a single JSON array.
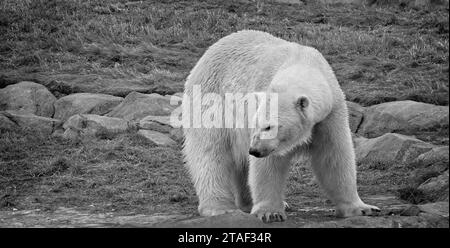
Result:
[{"x": 254, "y": 152}]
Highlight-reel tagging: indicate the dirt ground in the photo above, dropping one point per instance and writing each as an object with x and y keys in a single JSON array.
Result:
[{"x": 127, "y": 175}]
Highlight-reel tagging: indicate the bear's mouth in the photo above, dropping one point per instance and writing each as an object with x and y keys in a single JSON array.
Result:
[{"x": 259, "y": 153}]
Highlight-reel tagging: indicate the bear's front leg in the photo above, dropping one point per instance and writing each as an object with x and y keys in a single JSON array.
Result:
[
  {"x": 333, "y": 163},
  {"x": 267, "y": 181}
]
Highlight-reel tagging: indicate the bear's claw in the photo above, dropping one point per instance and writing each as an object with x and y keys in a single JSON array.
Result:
[
  {"x": 370, "y": 211},
  {"x": 270, "y": 216},
  {"x": 355, "y": 210}
]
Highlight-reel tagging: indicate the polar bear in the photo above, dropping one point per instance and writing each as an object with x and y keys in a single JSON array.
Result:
[{"x": 235, "y": 169}]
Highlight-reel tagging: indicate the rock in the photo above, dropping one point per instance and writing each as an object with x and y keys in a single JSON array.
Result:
[
  {"x": 234, "y": 219},
  {"x": 27, "y": 98},
  {"x": 178, "y": 197},
  {"x": 423, "y": 174},
  {"x": 70, "y": 217},
  {"x": 436, "y": 208},
  {"x": 94, "y": 83},
  {"x": 179, "y": 94},
  {"x": 383, "y": 201},
  {"x": 434, "y": 221},
  {"x": 355, "y": 112},
  {"x": 406, "y": 117},
  {"x": 430, "y": 164},
  {"x": 421, "y": 221},
  {"x": 389, "y": 148},
  {"x": 412, "y": 210},
  {"x": 354, "y": 222},
  {"x": 58, "y": 133},
  {"x": 177, "y": 134},
  {"x": 358, "y": 141},
  {"x": 158, "y": 138},
  {"x": 156, "y": 123},
  {"x": 436, "y": 188},
  {"x": 435, "y": 155},
  {"x": 137, "y": 106},
  {"x": 174, "y": 98},
  {"x": 85, "y": 103},
  {"x": 6, "y": 123},
  {"x": 161, "y": 124},
  {"x": 94, "y": 125},
  {"x": 41, "y": 124}
]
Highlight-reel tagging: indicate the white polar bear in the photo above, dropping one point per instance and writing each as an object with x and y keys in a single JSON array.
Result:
[{"x": 312, "y": 120}]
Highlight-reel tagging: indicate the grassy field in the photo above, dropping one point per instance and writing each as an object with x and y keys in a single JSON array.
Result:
[
  {"x": 379, "y": 53},
  {"x": 127, "y": 174},
  {"x": 123, "y": 173}
]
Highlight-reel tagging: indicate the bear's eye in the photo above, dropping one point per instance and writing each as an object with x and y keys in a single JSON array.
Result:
[{"x": 267, "y": 128}]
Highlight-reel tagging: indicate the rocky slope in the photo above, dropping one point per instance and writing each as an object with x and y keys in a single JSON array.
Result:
[{"x": 386, "y": 136}]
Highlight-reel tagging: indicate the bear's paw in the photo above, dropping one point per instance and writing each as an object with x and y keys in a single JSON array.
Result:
[
  {"x": 349, "y": 210},
  {"x": 268, "y": 215}
]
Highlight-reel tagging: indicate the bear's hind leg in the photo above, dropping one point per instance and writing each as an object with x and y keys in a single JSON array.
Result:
[
  {"x": 213, "y": 174},
  {"x": 333, "y": 163},
  {"x": 243, "y": 196}
]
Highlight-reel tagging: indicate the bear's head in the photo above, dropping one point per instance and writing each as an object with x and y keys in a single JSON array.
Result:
[
  {"x": 290, "y": 128},
  {"x": 303, "y": 98}
]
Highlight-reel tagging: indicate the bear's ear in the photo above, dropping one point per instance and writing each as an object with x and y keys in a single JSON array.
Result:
[{"x": 302, "y": 102}]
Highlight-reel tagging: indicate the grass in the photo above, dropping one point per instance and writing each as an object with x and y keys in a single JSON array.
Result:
[
  {"x": 128, "y": 174},
  {"x": 380, "y": 53}
]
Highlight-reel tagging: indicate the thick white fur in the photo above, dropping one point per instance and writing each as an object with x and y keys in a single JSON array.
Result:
[{"x": 225, "y": 177}]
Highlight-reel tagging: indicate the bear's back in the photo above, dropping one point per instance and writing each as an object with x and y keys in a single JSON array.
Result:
[
  {"x": 245, "y": 40},
  {"x": 240, "y": 62}
]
